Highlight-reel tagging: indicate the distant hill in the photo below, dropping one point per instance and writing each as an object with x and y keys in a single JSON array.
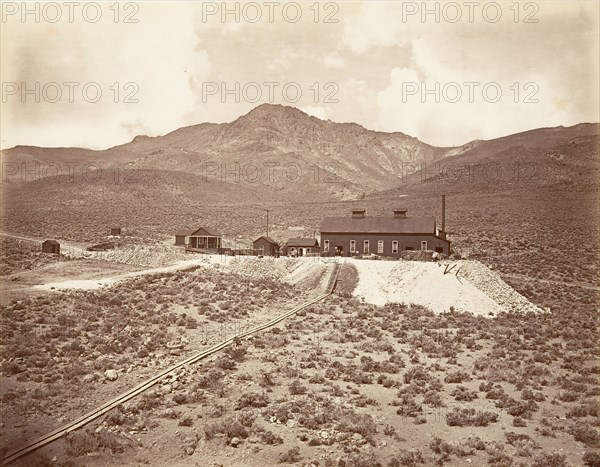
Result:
[
  {"x": 270, "y": 145},
  {"x": 547, "y": 157},
  {"x": 279, "y": 158}
]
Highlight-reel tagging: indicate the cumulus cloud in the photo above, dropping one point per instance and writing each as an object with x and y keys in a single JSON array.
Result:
[{"x": 355, "y": 69}]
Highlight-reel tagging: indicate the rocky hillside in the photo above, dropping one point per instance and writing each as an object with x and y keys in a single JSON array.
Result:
[{"x": 270, "y": 145}]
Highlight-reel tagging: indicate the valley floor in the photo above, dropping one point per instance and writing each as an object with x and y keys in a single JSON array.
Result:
[{"x": 353, "y": 380}]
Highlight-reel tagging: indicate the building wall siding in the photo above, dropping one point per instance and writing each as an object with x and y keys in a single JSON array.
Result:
[
  {"x": 404, "y": 241},
  {"x": 269, "y": 248}
]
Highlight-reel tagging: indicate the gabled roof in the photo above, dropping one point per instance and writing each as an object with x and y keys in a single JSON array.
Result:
[
  {"x": 302, "y": 242},
  {"x": 267, "y": 239},
  {"x": 205, "y": 231},
  {"x": 52, "y": 242},
  {"x": 388, "y": 225},
  {"x": 184, "y": 233}
]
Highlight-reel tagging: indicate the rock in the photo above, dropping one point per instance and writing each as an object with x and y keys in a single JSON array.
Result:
[
  {"x": 111, "y": 375},
  {"x": 273, "y": 419},
  {"x": 166, "y": 389},
  {"x": 291, "y": 423},
  {"x": 235, "y": 441},
  {"x": 324, "y": 435},
  {"x": 88, "y": 378},
  {"x": 190, "y": 450}
]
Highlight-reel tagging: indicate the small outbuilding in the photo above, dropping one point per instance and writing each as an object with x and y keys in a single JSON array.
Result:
[
  {"x": 265, "y": 246},
  {"x": 182, "y": 238},
  {"x": 301, "y": 246},
  {"x": 51, "y": 246},
  {"x": 115, "y": 231}
]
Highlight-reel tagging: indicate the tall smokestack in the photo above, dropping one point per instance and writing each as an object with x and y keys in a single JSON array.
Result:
[{"x": 443, "y": 216}]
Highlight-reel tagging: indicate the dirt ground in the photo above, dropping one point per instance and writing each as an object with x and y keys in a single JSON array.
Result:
[{"x": 346, "y": 382}]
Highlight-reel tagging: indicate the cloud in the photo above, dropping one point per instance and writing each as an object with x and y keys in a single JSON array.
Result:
[
  {"x": 318, "y": 112},
  {"x": 334, "y": 61},
  {"x": 352, "y": 70}
]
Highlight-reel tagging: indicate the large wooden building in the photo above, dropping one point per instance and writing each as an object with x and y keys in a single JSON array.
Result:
[{"x": 384, "y": 236}]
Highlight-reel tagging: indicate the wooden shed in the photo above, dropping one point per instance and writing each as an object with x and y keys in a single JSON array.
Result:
[
  {"x": 265, "y": 246},
  {"x": 301, "y": 246},
  {"x": 51, "y": 246},
  {"x": 182, "y": 238},
  {"x": 115, "y": 231}
]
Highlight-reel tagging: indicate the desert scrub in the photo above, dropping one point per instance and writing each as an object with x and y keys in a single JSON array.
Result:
[
  {"x": 553, "y": 459},
  {"x": 252, "y": 399},
  {"x": 362, "y": 424},
  {"x": 290, "y": 456},
  {"x": 464, "y": 448},
  {"x": 297, "y": 388},
  {"x": 457, "y": 377},
  {"x": 461, "y": 393},
  {"x": 433, "y": 399},
  {"x": 229, "y": 427},
  {"x": 585, "y": 434},
  {"x": 409, "y": 458},
  {"x": 591, "y": 459},
  {"x": 470, "y": 417},
  {"x": 407, "y": 406},
  {"x": 88, "y": 441}
]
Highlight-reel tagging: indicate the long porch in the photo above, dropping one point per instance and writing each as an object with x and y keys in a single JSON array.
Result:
[{"x": 207, "y": 242}]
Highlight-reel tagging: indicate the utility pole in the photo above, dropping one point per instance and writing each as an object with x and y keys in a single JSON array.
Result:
[{"x": 267, "y": 221}]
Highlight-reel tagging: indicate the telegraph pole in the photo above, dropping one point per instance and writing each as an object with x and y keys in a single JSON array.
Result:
[{"x": 267, "y": 221}]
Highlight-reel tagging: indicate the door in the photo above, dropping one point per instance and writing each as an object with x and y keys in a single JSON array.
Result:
[{"x": 366, "y": 249}]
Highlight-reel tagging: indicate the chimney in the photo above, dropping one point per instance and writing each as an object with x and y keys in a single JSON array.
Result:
[
  {"x": 443, "y": 216},
  {"x": 358, "y": 214},
  {"x": 399, "y": 213}
]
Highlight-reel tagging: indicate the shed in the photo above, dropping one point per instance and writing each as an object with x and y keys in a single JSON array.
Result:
[
  {"x": 51, "y": 246},
  {"x": 115, "y": 231},
  {"x": 301, "y": 246},
  {"x": 182, "y": 237},
  {"x": 265, "y": 246}
]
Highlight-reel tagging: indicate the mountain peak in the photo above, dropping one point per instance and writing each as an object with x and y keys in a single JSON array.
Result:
[{"x": 275, "y": 110}]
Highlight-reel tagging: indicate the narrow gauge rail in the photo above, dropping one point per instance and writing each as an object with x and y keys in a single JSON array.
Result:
[{"x": 99, "y": 411}]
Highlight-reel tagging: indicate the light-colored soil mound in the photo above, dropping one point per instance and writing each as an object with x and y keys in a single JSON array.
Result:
[
  {"x": 475, "y": 288},
  {"x": 469, "y": 285},
  {"x": 296, "y": 271},
  {"x": 142, "y": 255}
]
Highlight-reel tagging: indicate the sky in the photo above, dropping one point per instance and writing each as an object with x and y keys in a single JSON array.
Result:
[{"x": 96, "y": 75}]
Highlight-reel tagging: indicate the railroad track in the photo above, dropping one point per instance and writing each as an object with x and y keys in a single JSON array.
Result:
[{"x": 99, "y": 411}]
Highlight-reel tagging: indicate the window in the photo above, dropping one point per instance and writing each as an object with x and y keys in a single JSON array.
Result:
[
  {"x": 326, "y": 246},
  {"x": 366, "y": 248},
  {"x": 352, "y": 246},
  {"x": 395, "y": 246},
  {"x": 423, "y": 245},
  {"x": 380, "y": 247}
]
